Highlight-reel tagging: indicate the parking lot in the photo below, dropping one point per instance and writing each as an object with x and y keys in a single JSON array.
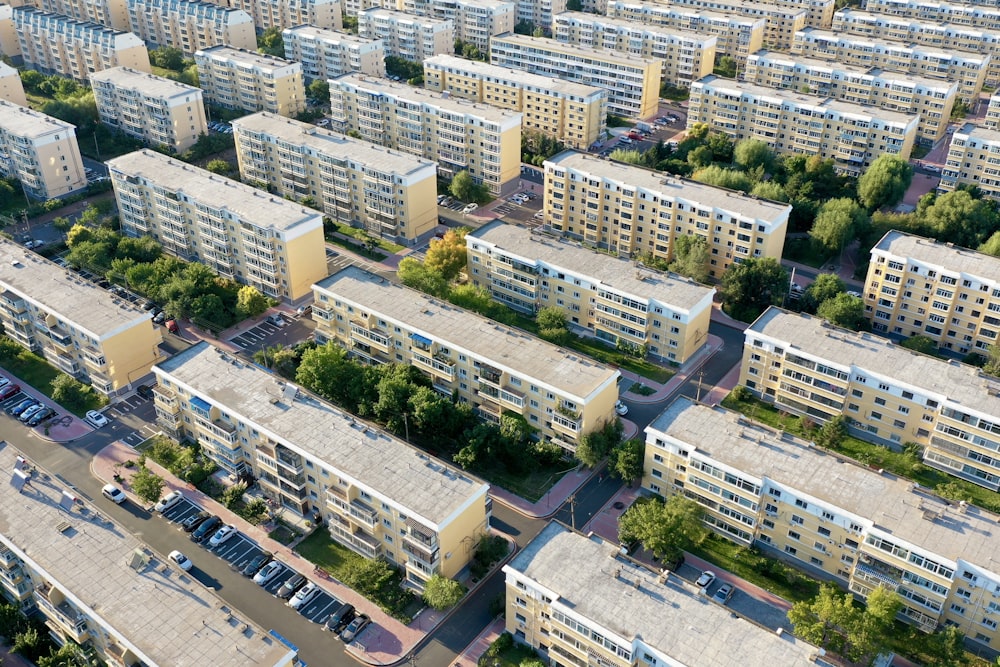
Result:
[
  {"x": 20, "y": 396},
  {"x": 253, "y": 337}
]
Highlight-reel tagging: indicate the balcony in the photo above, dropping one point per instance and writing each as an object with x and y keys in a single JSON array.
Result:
[
  {"x": 565, "y": 424},
  {"x": 337, "y": 500},
  {"x": 363, "y": 512},
  {"x": 372, "y": 337},
  {"x": 357, "y": 541},
  {"x": 218, "y": 429},
  {"x": 435, "y": 365},
  {"x": 8, "y": 559},
  {"x": 288, "y": 460},
  {"x": 65, "y": 617}
]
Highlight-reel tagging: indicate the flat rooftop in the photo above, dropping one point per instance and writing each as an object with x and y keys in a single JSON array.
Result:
[
  {"x": 326, "y": 34},
  {"x": 673, "y": 187},
  {"x": 891, "y": 503},
  {"x": 496, "y": 73},
  {"x": 974, "y": 131},
  {"x": 522, "y": 354},
  {"x": 914, "y": 24},
  {"x": 248, "y": 203},
  {"x": 827, "y": 65},
  {"x": 882, "y": 45},
  {"x": 404, "y": 17},
  {"x": 651, "y": 28},
  {"x": 946, "y": 256},
  {"x": 148, "y": 84},
  {"x": 427, "y": 487},
  {"x": 331, "y": 143},
  {"x": 546, "y": 44},
  {"x": 258, "y": 61},
  {"x": 162, "y": 614},
  {"x": 680, "y": 10},
  {"x": 49, "y": 286},
  {"x": 669, "y": 289},
  {"x": 593, "y": 581},
  {"x": 28, "y": 123}
]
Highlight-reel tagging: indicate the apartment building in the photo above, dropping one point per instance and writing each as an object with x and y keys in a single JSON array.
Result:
[
  {"x": 407, "y": 36},
  {"x": 39, "y": 151},
  {"x": 290, "y": 13},
  {"x": 631, "y": 210},
  {"x": 475, "y": 21},
  {"x": 737, "y": 36},
  {"x": 974, "y": 14},
  {"x": 459, "y": 135},
  {"x": 992, "y": 120},
  {"x": 377, "y": 496},
  {"x": 857, "y": 526},
  {"x": 56, "y": 44},
  {"x": 888, "y": 394},
  {"x": 240, "y": 79},
  {"x": 391, "y": 194},
  {"x": 11, "y": 88},
  {"x": 967, "y": 68},
  {"x": 539, "y": 13},
  {"x": 931, "y": 99},
  {"x": 191, "y": 25},
  {"x": 10, "y": 45},
  {"x": 160, "y": 111},
  {"x": 327, "y": 54},
  {"x": 492, "y": 367},
  {"x": 238, "y": 231},
  {"x": 94, "y": 583},
  {"x": 686, "y": 56},
  {"x": 851, "y": 135},
  {"x": 109, "y": 13},
  {"x": 632, "y": 82},
  {"x": 973, "y": 156},
  {"x": 574, "y": 113},
  {"x": 611, "y": 298},
  {"x": 781, "y": 20},
  {"x": 819, "y": 12}
]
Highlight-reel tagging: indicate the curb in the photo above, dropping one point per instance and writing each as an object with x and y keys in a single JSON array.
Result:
[{"x": 532, "y": 515}]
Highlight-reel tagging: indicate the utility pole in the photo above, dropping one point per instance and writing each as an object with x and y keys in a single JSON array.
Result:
[
  {"x": 572, "y": 510},
  {"x": 701, "y": 376},
  {"x": 406, "y": 426}
]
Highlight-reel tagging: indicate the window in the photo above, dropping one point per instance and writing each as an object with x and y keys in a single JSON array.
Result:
[{"x": 795, "y": 536}]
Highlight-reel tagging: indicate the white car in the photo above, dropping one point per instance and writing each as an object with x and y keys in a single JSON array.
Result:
[
  {"x": 222, "y": 535},
  {"x": 469, "y": 208},
  {"x": 181, "y": 560},
  {"x": 706, "y": 579},
  {"x": 621, "y": 408},
  {"x": 323, "y": 122},
  {"x": 304, "y": 596},
  {"x": 267, "y": 573},
  {"x": 168, "y": 501},
  {"x": 96, "y": 419},
  {"x": 114, "y": 494}
]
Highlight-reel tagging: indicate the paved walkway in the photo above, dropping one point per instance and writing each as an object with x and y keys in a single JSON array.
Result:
[
  {"x": 470, "y": 656},
  {"x": 10, "y": 659},
  {"x": 663, "y": 391},
  {"x": 66, "y": 429}
]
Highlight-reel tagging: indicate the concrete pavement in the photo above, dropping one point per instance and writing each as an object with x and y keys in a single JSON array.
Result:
[{"x": 66, "y": 429}]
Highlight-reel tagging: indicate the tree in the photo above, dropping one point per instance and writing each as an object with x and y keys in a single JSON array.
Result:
[
  {"x": 551, "y": 317},
  {"x": 447, "y": 255},
  {"x": 726, "y": 67},
  {"x": 233, "y": 495},
  {"x": 625, "y": 459},
  {"x": 691, "y": 256},
  {"x": 574, "y": 5},
  {"x": 751, "y": 153},
  {"x": 464, "y": 188},
  {"x": 168, "y": 57},
  {"x": 992, "y": 365},
  {"x": 320, "y": 90},
  {"x": 838, "y": 221},
  {"x": 723, "y": 178},
  {"x": 594, "y": 446},
  {"x": 832, "y": 620},
  {"x": 992, "y": 245},
  {"x": 845, "y": 311},
  {"x": 278, "y": 358},
  {"x": 749, "y": 287},
  {"x": 413, "y": 273},
  {"x": 769, "y": 190},
  {"x": 700, "y": 157},
  {"x": 825, "y": 287},
  {"x": 327, "y": 371},
  {"x": 250, "y": 302},
  {"x": 884, "y": 182},
  {"x": 442, "y": 593},
  {"x": 832, "y": 433},
  {"x": 665, "y": 528},
  {"x": 922, "y": 344},
  {"x": 70, "y": 393},
  {"x": 958, "y": 217},
  {"x": 271, "y": 42},
  {"x": 147, "y": 485},
  {"x": 220, "y": 167},
  {"x": 627, "y": 155}
]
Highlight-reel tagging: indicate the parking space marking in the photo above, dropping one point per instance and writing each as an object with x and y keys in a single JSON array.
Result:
[{"x": 318, "y": 611}]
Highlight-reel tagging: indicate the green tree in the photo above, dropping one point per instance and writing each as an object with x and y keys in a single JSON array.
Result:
[
  {"x": 700, "y": 157},
  {"x": 413, "y": 273},
  {"x": 167, "y": 57},
  {"x": 825, "y": 287},
  {"x": 665, "y": 528},
  {"x": 442, "y": 593},
  {"x": 946, "y": 647},
  {"x": 280, "y": 359},
  {"x": 326, "y": 370},
  {"x": 769, "y": 190},
  {"x": 464, "y": 188},
  {"x": 220, "y": 167},
  {"x": 832, "y": 433},
  {"x": 551, "y": 317},
  {"x": 838, "y": 222},
  {"x": 70, "y": 393},
  {"x": 271, "y": 42},
  {"x": 574, "y": 5},
  {"x": 32, "y": 79},
  {"x": 723, "y": 178},
  {"x": 319, "y": 89},
  {"x": 67, "y": 655},
  {"x": 691, "y": 255},
  {"x": 958, "y": 217},
  {"x": 726, "y": 67},
  {"x": 447, "y": 255},
  {"x": 625, "y": 459},
  {"x": 250, "y": 302},
  {"x": 832, "y": 620},
  {"x": 992, "y": 245},
  {"x": 627, "y": 155},
  {"x": 147, "y": 485},
  {"x": 845, "y": 311},
  {"x": 27, "y": 642},
  {"x": 752, "y": 153},
  {"x": 922, "y": 344},
  {"x": 884, "y": 182},
  {"x": 992, "y": 365},
  {"x": 233, "y": 495},
  {"x": 749, "y": 287},
  {"x": 597, "y": 444},
  {"x": 721, "y": 145}
]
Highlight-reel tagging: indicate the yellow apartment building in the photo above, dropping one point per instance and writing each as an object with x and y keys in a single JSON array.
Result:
[
  {"x": 782, "y": 19},
  {"x": 160, "y": 111},
  {"x": 931, "y": 99},
  {"x": 10, "y": 44},
  {"x": 407, "y": 36},
  {"x": 80, "y": 328},
  {"x": 539, "y": 13},
  {"x": 56, "y": 44},
  {"x": 632, "y": 81},
  {"x": 289, "y": 13},
  {"x": 852, "y": 135},
  {"x": 889, "y": 394},
  {"x": 574, "y": 113},
  {"x": 612, "y": 299},
  {"x": 459, "y": 135},
  {"x": 39, "y": 151},
  {"x": 247, "y": 80},
  {"x": 992, "y": 120},
  {"x": 475, "y": 21},
  {"x": 820, "y": 12},
  {"x": 109, "y": 13},
  {"x": 578, "y": 601},
  {"x": 391, "y": 194},
  {"x": 965, "y": 67},
  {"x": 327, "y": 54},
  {"x": 860, "y": 527},
  {"x": 11, "y": 88},
  {"x": 377, "y": 495},
  {"x": 973, "y": 156},
  {"x": 974, "y": 13},
  {"x": 190, "y": 25},
  {"x": 238, "y": 231},
  {"x": 492, "y": 367},
  {"x": 917, "y": 286},
  {"x": 737, "y": 36},
  {"x": 631, "y": 210},
  {"x": 686, "y": 56}
]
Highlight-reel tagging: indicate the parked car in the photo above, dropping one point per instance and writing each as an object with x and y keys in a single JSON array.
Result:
[
  {"x": 172, "y": 327},
  {"x": 267, "y": 573},
  {"x": 193, "y": 521},
  {"x": 933, "y": 168},
  {"x": 114, "y": 494},
  {"x": 159, "y": 317},
  {"x": 168, "y": 501},
  {"x": 21, "y": 407},
  {"x": 724, "y": 593},
  {"x": 323, "y": 122},
  {"x": 276, "y": 319},
  {"x": 304, "y": 596},
  {"x": 9, "y": 390},
  {"x": 705, "y": 580},
  {"x": 257, "y": 562},
  {"x": 621, "y": 408},
  {"x": 304, "y": 311},
  {"x": 4, "y": 381},
  {"x": 181, "y": 560},
  {"x": 339, "y": 619},
  {"x": 30, "y": 412},
  {"x": 222, "y": 536},
  {"x": 469, "y": 208},
  {"x": 144, "y": 391},
  {"x": 206, "y": 528},
  {"x": 291, "y": 586},
  {"x": 539, "y": 215},
  {"x": 441, "y": 199},
  {"x": 40, "y": 416},
  {"x": 355, "y": 628},
  {"x": 149, "y": 305},
  {"x": 624, "y": 140},
  {"x": 96, "y": 419}
]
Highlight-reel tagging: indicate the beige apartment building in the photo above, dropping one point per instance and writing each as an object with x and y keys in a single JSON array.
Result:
[
  {"x": 56, "y": 44},
  {"x": 39, "y": 151},
  {"x": 160, "y": 111},
  {"x": 238, "y": 231},
  {"x": 820, "y": 12},
  {"x": 973, "y": 159},
  {"x": 630, "y": 210},
  {"x": 389, "y": 193},
  {"x": 240, "y": 79},
  {"x": 965, "y": 67},
  {"x": 737, "y": 36},
  {"x": 407, "y": 36},
  {"x": 109, "y": 13},
  {"x": 889, "y": 394},
  {"x": 459, "y": 135},
  {"x": 475, "y": 21},
  {"x": 992, "y": 120},
  {"x": 632, "y": 82},
  {"x": 579, "y": 601},
  {"x": 78, "y": 327},
  {"x": 290, "y": 13},
  {"x": 327, "y": 54},
  {"x": 931, "y": 99},
  {"x": 376, "y": 495},
  {"x": 858, "y": 526},
  {"x": 686, "y": 56},
  {"x": 613, "y": 299},
  {"x": 10, "y": 44},
  {"x": 539, "y": 13},
  {"x": 190, "y": 25},
  {"x": 574, "y": 113},
  {"x": 781, "y": 20},
  {"x": 11, "y": 88},
  {"x": 851, "y": 135},
  {"x": 492, "y": 367},
  {"x": 968, "y": 13}
]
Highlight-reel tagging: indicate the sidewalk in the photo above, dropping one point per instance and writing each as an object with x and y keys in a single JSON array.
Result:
[
  {"x": 470, "y": 656},
  {"x": 67, "y": 429},
  {"x": 663, "y": 391}
]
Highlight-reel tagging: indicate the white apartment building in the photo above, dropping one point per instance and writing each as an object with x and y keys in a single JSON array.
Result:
[
  {"x": 39, "y": 151},
  {"x": 190, "y": 25},
  {"x": 539, "y": 13},
  {"x": 781, "y": 19},
  {"x": 406, "y": 36},
  {"x": 240, "y": 79},
  {"x": 109, "y": 13},
  {"x": 10, "y": 45},
  {"x": 11, "y": 88},
  {"x": 973, "y": 159},
  {"x": 973, "y": 13},
  {"x": 327, "y": 54},
  {"x": 290, "y": 13},
  {"x": 475, "y": 20},
  {"x": 992, "y": 120}
]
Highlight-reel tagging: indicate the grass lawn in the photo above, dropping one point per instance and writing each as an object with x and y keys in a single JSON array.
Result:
[
  {"x": 531, "y": 486},
  {"x": 282, "y": 534},
  {"x": 608, "y": 355},
  {"x": 779, "y": 579},
  {"x": 35, "y": 371},
  {"x": 357, "y": 248},
  {"x": 362, "y": 236},
  {"x": 803, "y": 251}
]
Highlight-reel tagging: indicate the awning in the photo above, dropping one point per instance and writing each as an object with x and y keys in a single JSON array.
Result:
[
  {"x": 200, "y": 404},
  {"x": 421, "y": 339}
]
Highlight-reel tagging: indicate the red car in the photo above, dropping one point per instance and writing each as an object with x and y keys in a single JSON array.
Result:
[{"x": 9, "y": 391}]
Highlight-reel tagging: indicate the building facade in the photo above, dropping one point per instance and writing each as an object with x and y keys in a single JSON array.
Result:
[
  {"x": 632, "y": 82},
  {"x": 820, "y": 12},
  {"x": 11, "y": 88},
  {"x": 782, "y": 19},
  {"x": 290, "y": 13},
  {"x": 495, "y": 369},
  {"x": 39, "y": 151},
  {"x": 574, "y": 113},
  {"x": 475, "y": 21},
  {"x": 327, "y": 54},
  {"x": 10, "y": 44},
  {"x": 539, "y": 13},
  {"x": 973, "y": 156},
  {"x": 407, "y": 36},
  {"x": 390, "y": 194},
  {"x": 239, "y": 232},
  {"x": 614, "y": 300},
  {"x": 992, "y": 120},
  {"x": 630, "y": 210},
  {"x": 247, "y": 80},
  {"x": 191, "y": 25},
  {"x": 851, "y": 135},
  {"x": 930, "y": 99},
  {"x": 974, "y": 14},
  {"x": 160, "y": 111},
  {"x": 686, "y": 56},
  {"x": 460, "y": 136},
  {"x": 376, "y": 495},
  {"x": 109, "y": 13}
]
